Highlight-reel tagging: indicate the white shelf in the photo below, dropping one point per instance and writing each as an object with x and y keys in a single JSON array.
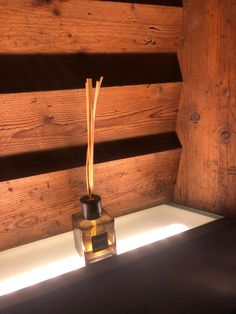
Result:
[{"x": 38, "y": 261}]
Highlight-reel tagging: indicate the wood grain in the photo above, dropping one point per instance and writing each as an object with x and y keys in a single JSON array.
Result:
[
  {"x": 206, "y": 121},
  {"x": 41, "y": 206},
  {"x": 49, "y": 120},
  {"x": 87, "y": 26}
]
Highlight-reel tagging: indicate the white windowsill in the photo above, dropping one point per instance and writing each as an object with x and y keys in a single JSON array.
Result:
[{"x": 38, "y": 261}]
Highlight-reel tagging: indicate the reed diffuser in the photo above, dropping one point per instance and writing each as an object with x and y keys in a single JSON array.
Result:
[{"x": 94, "y": 232}]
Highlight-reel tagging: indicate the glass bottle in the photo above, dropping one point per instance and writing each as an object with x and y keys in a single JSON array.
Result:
[{"x": 94, "y": 231}]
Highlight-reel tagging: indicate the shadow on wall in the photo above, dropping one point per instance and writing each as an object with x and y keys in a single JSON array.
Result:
[
  {"x": 23, "y": 165},
  {"x": 39, "y": 72},
  {"x": 176, "y": 3}
]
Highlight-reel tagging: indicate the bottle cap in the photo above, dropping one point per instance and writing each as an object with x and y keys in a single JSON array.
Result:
[{"x": 91, "y": 208}]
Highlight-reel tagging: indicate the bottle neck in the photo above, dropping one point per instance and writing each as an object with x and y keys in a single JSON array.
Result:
[{"x": 91, "y": 208}]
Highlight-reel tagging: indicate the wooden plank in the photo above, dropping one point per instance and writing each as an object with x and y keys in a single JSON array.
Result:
[
  {"x": 41, "y": 206},
  {"x": 206, "y": 122},
  {"x": 40, "y": 26},
  {"x": 48, "y": 120}
]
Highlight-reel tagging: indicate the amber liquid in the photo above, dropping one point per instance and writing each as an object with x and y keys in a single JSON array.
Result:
[{"x": 95, "y": 239}]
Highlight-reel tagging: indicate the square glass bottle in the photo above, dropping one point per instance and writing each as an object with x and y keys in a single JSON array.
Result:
[{"x": 94, "y": 230}]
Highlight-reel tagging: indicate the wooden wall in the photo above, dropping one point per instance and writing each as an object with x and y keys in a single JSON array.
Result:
[
  {"x": 47, "y": 49},
  {"x": 207, "y": 117}
]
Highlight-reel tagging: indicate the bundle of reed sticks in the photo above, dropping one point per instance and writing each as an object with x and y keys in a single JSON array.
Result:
[{"x": 91, "y": 104}]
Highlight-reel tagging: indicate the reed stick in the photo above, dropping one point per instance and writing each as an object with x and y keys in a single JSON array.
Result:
[{"x": 91, "y": 104}]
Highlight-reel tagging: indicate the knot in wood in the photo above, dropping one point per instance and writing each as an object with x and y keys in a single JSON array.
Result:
[
  {"x": 225, "y": 135},
  {"x": 195, "y": 117},
  {"x": 48, "y": 119}
]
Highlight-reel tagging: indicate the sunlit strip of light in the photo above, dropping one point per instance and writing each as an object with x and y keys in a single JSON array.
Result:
[
  {"x": 40, "y": 274},
  {"x": 149, "y": 236},
  {"x": 73, "y": 262}
]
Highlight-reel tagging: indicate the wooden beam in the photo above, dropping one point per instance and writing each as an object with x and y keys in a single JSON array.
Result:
[
  {"x": 206, "y": 123},
  {"x": 40, "y": 26},
  {"x": 41, "y": 121},
  {"x": 41, "y": 206}
]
